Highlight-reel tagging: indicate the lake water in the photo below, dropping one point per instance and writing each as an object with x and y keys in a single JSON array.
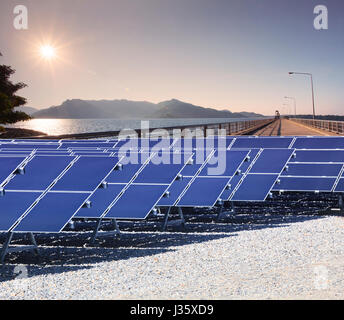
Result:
[{"x": 72, "y": 126}]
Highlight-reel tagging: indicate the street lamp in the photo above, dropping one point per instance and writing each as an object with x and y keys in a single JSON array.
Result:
[
  {"x": 308, "y": 74},
  {"x": 286, "y": 107},
  {"x": 294, "y": 103}
]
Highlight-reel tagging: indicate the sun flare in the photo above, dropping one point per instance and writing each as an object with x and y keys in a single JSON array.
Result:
[{"x": 47, "y": 52}]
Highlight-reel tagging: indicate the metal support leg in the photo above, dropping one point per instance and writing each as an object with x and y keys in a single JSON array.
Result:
[
  {"x": 34, "y": 243},
  {"x": 223, "y": 213},
  {"x": 116, "y": 228},
  {"x": 116, "y": 231},
  {"x": 167, "y": 222},
  {"x": 5, "y": 247},
  {"x": 341, "y": 202},
  {"x": 181, "y": 215},
  {"x": 95, "y": 232}
]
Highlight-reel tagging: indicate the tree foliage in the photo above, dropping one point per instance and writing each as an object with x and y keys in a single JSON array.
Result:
[{"x": 8, "y": 97}]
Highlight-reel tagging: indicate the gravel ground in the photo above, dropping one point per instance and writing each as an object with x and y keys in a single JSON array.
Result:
[{"x": 259, "y": 258}]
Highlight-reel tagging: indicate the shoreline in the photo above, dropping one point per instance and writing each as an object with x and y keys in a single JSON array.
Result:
[{"x": 12, "y": 133}]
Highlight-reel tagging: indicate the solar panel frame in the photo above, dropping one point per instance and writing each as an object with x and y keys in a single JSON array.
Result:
[
  {"x": 4, "y": 181},
  {"x": 226, "y": 182},
  {"x": 103, "y": 215},
  {"x": 312, "y": 170},
  {"x": 319, "y": 142},
  {"x": 34, "y": 166},
  {"x": 232, "y": 197},
  {"x": 51, "y": 191},
  {"x": 330, "y": 180}
]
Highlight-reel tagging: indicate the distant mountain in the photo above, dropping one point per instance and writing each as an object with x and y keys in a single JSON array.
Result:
[
  {"x": 126, "y": 109},
  {"x": 27, "y": 110}
]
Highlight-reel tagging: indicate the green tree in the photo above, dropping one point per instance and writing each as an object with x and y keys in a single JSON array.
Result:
[{"x": 8, "y": 98}]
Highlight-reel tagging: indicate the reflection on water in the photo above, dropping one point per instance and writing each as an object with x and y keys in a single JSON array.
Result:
[{"x": 67, "y": 126}]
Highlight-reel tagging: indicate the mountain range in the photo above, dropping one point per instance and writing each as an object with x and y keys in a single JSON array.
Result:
[{"x": 126, "y": 109}]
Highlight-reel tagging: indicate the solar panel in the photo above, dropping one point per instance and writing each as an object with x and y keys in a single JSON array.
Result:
[
  {"x": 318, "y": 156},
  {"x": 166, "y": 173},
  {"x": 28, "y": 146},
  {"x": 271, "y": 161},
  {"x": 203, "y": 143},
  {"x": 315, "y": 170},
  {"x": 340, "y": 185},
  {"x": 100, "y": 201},
  {"x": 52, "y": 212},
  {"x": 262, "y": 142},
  {"x": 86, "y": 174},
  {"x": 319, "y": 143},
  {"x": 224, "y": 163},
  {"x": 13, "y": 205},
  {"x": 175, "y": 190},
  {"x": 255, "y": 187},
  {"x": 87, "y": 144},
  {"x": 8, "y": 165},
  {"x": 199, "y": 158},
  {"x": 137, "y": 202},
  {"x": 305, "y": 184},
  {"x": 203, "y": 192},
  {"x": 40, "y": 172}
]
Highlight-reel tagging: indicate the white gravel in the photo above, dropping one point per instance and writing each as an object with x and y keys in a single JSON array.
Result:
[{"x": 293, "y": 258}]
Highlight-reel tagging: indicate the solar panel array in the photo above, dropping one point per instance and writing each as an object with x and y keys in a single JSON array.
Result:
[{"x": 46, "y": 183}]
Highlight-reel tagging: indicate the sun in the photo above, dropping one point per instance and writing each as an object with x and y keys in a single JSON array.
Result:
[{"x": 47, "y": 52}]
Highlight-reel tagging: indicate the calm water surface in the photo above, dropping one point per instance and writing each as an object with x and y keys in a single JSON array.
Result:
[{"x": 71, "y": 126}]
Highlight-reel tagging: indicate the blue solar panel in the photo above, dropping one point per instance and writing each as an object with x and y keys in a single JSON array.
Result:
[
  {"x": 100, "y": 201},
  {"x": 155, "y": 144},
  {"x": 340, "y": 185},
  {"x": 13, "y": 205},
  {"x": 137, "y": 202},
  {"x": 305, "y": 184},
  {"x": 75, "y": 145},
  {"x": 203, "y": 192},
  {"x": 15, "y": 153},
  {"x": 81, "y": 141},
  {"x": 8, "y": 165},
  {"x": 318, "y": 156},
  {"x": 53, "y": 153},
  {"x": 262, "y": 142},
  {"x": 199, "y": 158},
  {"x": 29, "y": 146},
  {"x": 252, "y": 154},
  {"x": 203, "y": 143},
  {"x": 255, "y": 187},
  {"x": 319, "y": 143},
  {"x": 271, "y": 161},
  {"x": 166, "y": 173},
  {"x": 40, "y": 172},
  {"x": 175, "y": 191},
  {"x": 127, "y": 144},
  {"x": 226, "y": 163},
  {"x": 86, "y": 174},
  {"x": 52, "y": 212},
  {"x": 315, "y": 170}
]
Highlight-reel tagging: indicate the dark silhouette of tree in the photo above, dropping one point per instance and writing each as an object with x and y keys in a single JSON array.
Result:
[{"x": 8, "y": 98}]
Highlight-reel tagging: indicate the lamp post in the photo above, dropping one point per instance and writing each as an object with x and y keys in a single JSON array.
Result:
[
  {"x": 311, "y": 76},
  {"x": 294, "y": 103},
  {"x": 287, "y": 109}
]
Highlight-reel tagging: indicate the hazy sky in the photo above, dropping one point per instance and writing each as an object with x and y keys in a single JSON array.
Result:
[{"x": 232, "y": 54}]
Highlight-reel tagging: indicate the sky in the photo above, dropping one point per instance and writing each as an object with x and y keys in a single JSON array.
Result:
[{"x": 225, "y": 54}]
